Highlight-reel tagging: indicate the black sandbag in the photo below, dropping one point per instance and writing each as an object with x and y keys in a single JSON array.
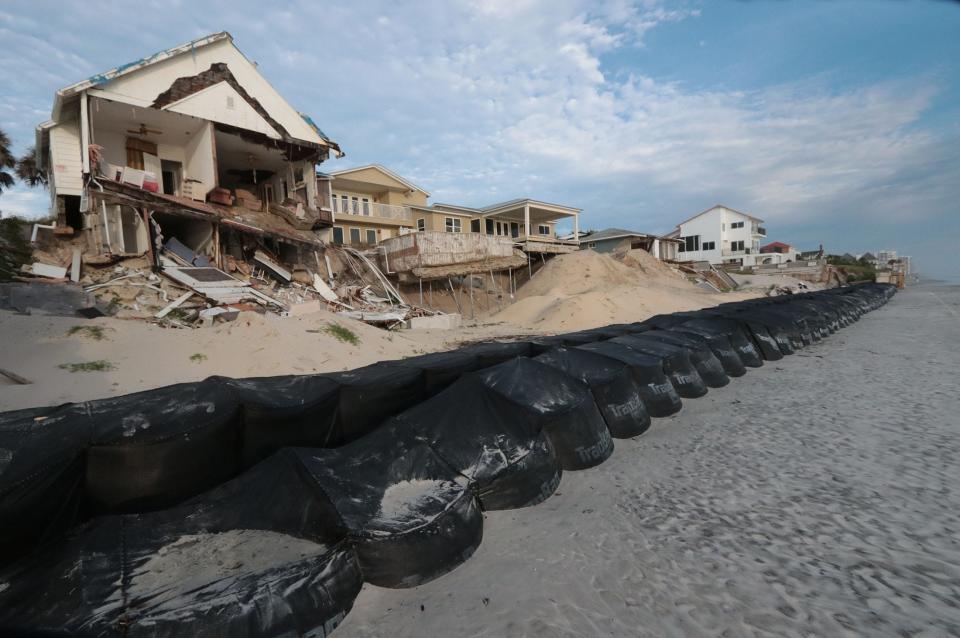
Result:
[
  {"x": 440, "y": 369},
  {"x": 263, "y": 554},
  {"x": 615, "y": 389},
  {"x": 546, "y": 343},
  {"x": 492, "y": 441},
  {"x": 155, "y": 448},
  {"x": 560, "y": 404},
  {"x": 707, "y": 364},
  {"x": 410, "y": 516},
  {"x": 658, "y": 394},
  {"x": 41, "y": 475},
  {"x": 601, "y": 333},
  {"x": 784, "y": 328},
  {"x": 719, "y": 344},
  {"x": 285, "y": 411},
  {"x": 743, "y": 344},
  {"x": 370, "y": 395},
  {"x": 490, "y": 353},
  {"x": 676, "y": 364}
]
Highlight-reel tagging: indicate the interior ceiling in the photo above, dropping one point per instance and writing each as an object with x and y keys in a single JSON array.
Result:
[
  {"x": 118, "y": 117},
  {"x": 235, "y": 152}
]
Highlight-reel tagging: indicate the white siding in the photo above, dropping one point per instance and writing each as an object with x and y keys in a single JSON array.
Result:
[
  {"x": 146, "y": 84},
  {"x": 221, "y": 103},
  {"x": 66, "y": 161},
  {"x": 199, "y": 164}
]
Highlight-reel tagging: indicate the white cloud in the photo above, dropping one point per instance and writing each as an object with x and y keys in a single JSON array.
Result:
[
  {"x": 24, "y": 202},
  {"x": 488, "y": 100}
]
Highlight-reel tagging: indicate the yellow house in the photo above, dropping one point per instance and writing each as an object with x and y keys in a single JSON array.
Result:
[{"x": 371, "y": 204}]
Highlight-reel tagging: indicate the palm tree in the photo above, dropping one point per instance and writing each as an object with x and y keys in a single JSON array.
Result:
[
  {"x": 7, "y": 161},
  {"x": 28, "y": 171}
]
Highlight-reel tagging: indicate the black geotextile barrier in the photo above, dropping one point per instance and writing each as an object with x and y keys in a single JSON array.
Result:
[
  {"x": 657, "y": 392},
  {"x": 411, "y": 516},
  {"x": 677, "y": 364},
  {"x": 264, "y": 554},
  {"x": 393, "y": 480},
  {"x": 556, "y": 403},
  {"x": 615, "y": 389}
]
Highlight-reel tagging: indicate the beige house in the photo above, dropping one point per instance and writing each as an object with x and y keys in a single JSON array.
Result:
[{"x": 371, "y": 204}]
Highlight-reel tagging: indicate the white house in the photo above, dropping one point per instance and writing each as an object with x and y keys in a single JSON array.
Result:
[
  {"x": 190, "y": 142},
  {"x": 722, "y": 235}
]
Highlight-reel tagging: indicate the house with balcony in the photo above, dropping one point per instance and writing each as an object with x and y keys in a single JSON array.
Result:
[
  {"x": 371, "y": 204},
  {"x": 720, "y": 235},
  {"x": 190, "y": 143}
]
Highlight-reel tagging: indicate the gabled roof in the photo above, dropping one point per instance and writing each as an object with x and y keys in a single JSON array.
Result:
[
  {"x": 130, "y": 67},
  {"x": 704, "y": 212},
  {"x": 383, "y": 169},
  {"x": 612, "y": 233},
  {"x": 291, "y": 125}
]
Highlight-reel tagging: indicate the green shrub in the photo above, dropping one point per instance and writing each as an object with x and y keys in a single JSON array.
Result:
[{"x": 342, "y": 334}]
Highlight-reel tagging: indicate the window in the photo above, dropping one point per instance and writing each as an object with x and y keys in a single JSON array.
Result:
[
  {"x": 344, "y": 205},
  {"x": 499, "y": 228},
  {"x": 355, "y": 205},
  {"x": 474, "y": 225},
  {"x": 337, "y": 235},
  {"x": 371, "y": 237},
  {"x": 709, "y": 245},
  {"x": 736, "y": 225},
  {"x": 365, "y": 206},
  {"x": 736, "y": 246},
  {"x": 333, "y": 203},
  {"x": 514, "y": 229},
  {"x": 543, "y": 229},
  {"x": 690, "y": 244},
  {"x": 298, "y": 175},
  {"x": 489, "y": 226},
  {"x": 354, "y": 235},
  {"x": 421, "y": 224},
  {"x": 452, "y": 224}
]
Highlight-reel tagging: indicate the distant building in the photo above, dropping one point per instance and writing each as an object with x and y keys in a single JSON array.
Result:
[
  {"x": 778, "y": 247},
  {"x": 884, "y": 257},
  {"x": 609, "y": 240}
]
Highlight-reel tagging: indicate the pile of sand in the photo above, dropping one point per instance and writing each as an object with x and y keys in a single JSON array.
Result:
[{"x": 588, "y": 289}]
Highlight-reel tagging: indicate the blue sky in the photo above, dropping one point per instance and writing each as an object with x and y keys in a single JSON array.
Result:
[{"x": 836, "y": 122}]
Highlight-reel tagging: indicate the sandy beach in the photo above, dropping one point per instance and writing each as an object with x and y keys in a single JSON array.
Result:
[
  {"x": 573, "y": 292},
  {"x": 815, "y": 496}
]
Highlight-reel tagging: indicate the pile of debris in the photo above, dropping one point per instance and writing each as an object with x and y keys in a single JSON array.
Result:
[{"x": 184, "y": 288}]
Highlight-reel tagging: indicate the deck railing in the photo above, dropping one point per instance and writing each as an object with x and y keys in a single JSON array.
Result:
[{"x": 371, "y": 209}]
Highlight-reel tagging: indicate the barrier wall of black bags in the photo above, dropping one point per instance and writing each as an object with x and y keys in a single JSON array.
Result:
[{"x": 259, "y": 506}]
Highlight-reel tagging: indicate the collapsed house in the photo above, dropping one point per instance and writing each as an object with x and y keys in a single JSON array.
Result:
[{"x": 190, "y": 159}]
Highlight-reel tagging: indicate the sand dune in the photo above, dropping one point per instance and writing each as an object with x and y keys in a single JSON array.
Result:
[{"x": 588, "y": 289}]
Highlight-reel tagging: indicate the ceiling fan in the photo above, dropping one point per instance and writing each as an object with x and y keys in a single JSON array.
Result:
[{"x": 144, "y": 130}]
